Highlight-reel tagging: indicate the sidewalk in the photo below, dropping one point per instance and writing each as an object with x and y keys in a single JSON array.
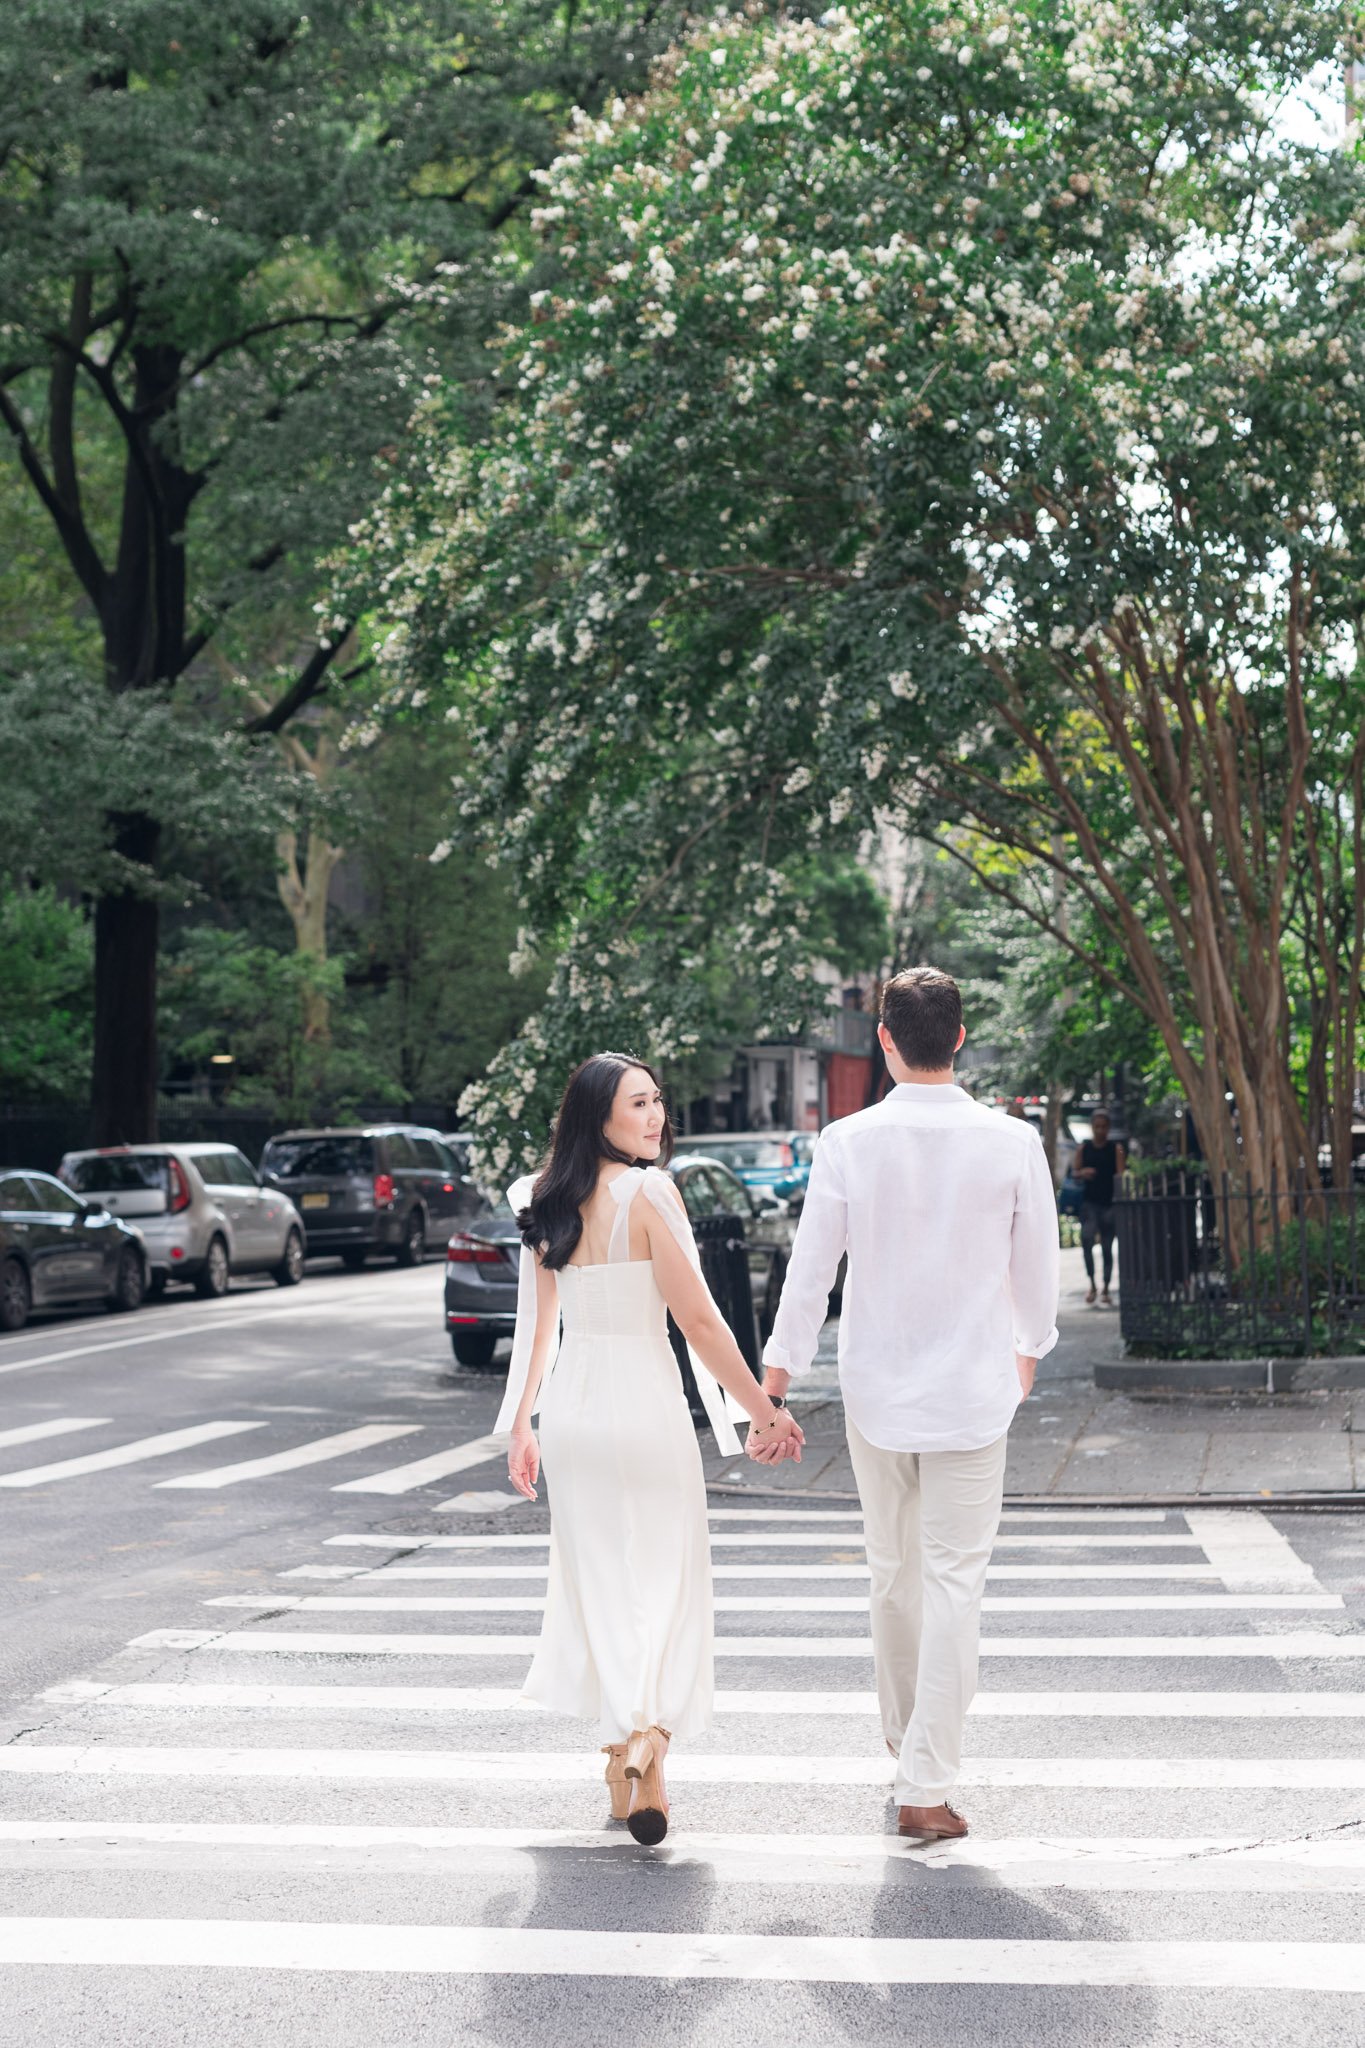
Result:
[{"x": 1073, "y": 1441}]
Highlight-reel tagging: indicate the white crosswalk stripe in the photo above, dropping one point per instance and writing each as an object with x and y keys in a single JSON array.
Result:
[
  {"x": 160, "y": 1446},
  {"x": 422, "y": 1471},
  {"x": 577, "y": 1767},
  {"x": 453, "y": 1699},
  {"x": 575, "y": 1952},
  {"x": 1078, "y": 1863},
  {"x": 33, "y": 1432},
  {"x": 1162, "y": 1777},
  {"x": 317, "y": 1452},
  {"x": 791, "y": 1603},
  {"x": 367, "y": 1643}
]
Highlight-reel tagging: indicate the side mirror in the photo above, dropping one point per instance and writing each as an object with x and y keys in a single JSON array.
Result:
[{"x": 95, "y": 1208}]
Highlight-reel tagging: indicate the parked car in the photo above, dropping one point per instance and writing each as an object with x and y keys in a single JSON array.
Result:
[
  {"x": 777, "y": 1160},
  {"x": 387, "y": 1188},
  {"x": 56, "y": 1248},
  {"x": 202, "y": 1210},
  {"x": 482, "y": 1257},
  {"x": 709, "y": 1187}
]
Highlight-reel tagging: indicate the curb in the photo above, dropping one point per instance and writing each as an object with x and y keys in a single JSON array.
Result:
[
  {"x": 1231, "y": 1375},
  {"x": 1280, "y": 1503}
]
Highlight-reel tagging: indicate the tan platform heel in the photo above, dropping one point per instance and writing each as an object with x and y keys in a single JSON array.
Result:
[
  {"x": 647, "y": 1817},
  {"x": 617, "y": 1783}
]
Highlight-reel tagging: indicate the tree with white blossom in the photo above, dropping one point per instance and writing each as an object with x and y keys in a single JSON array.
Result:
[{"x": 940, "y": 412}]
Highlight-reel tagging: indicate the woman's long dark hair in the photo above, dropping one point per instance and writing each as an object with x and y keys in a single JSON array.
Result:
[{"x": 552, "y": 1221}]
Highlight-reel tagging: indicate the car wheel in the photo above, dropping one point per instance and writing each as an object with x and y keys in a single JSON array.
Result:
[
  {"x": 130, "y": 1281},
  {"x": 473, "y": 1347},
  {"x": 15, "y": 1298},
  {"x": 289, "y": 1272},
  {"x": 413, "y": 1249},
  {"x": 353, "y": 1261},
  {"x": 213, "y": 1281}
]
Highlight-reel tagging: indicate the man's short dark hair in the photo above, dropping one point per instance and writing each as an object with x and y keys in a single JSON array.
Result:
[{"x": 922, "y": 1009}]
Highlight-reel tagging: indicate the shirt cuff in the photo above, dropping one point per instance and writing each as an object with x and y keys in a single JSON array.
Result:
[
  {"x": 779, "y": 1359},
  {"x": 1030, "y": 1350}
]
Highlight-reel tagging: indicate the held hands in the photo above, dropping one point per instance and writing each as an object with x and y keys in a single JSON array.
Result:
[
  {"x": 781, "y": 1438},
  {"x": 523, "y": 1460}
]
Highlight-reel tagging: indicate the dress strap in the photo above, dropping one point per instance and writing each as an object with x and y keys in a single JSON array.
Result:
[{"x": 624, "y": 1188}]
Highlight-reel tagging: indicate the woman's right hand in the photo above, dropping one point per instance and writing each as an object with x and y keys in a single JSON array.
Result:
[
  {"x": 523, "y": 1460},
  {"x": 781, "y": 1439}
]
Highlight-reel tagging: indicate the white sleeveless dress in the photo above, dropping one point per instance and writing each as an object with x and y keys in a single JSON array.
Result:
[{"x": 628, "y": 1636}]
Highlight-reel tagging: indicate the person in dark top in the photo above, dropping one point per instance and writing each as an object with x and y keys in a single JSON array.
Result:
[{"x": 1097, "y": 1165}]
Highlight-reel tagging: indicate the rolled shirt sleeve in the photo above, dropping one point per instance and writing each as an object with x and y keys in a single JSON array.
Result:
[
  {"x": 821, "y": 1240},
  {"x": 1035, "y": 1258}
]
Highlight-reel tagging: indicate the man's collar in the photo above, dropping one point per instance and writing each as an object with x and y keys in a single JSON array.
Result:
[{"x": 928, "y": 1092}]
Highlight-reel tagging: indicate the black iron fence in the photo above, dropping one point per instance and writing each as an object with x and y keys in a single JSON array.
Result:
[
  {"x": 1209, "y": 1270},
  {"x": 725, "y": 1268}
]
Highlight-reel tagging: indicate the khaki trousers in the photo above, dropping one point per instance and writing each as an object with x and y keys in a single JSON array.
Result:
[{"x": 930, "y": 1518}]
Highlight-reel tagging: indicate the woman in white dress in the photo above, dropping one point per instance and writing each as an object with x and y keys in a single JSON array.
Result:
[{"x": 628, "y": 1638}]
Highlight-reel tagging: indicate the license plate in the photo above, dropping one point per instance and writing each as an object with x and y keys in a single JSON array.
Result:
[{"x": 316, "y": 1201}]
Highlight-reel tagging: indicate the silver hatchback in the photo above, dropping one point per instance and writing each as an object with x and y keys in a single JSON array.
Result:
[{"x": 202, "y": 1209}]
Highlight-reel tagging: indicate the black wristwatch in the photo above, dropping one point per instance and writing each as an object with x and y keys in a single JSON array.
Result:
[{"x": 778, "y": 1400}]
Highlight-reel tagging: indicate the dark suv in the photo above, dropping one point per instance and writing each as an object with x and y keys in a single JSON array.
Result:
[{"x": 388, "y": 1188}]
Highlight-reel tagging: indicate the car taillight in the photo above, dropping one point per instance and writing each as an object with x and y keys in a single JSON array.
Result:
[
  {"x": 785, "y": 1155},
  {"x": 464, "y": 1250},
  {"x": 383, "y": 1190},
  {"x": 180, "y": 1188}
]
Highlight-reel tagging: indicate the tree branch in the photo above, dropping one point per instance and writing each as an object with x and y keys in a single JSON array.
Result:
[{"x": 307, "y": 684}]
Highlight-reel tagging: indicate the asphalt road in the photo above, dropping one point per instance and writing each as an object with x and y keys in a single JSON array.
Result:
[{"x": 263, "y": 1777}]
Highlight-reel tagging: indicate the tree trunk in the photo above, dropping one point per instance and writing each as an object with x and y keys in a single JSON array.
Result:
[
  {"x": 1057, "y": 1099},
  {"x": 123, "y": 1082},
  {"x": 303, "y": 893}
]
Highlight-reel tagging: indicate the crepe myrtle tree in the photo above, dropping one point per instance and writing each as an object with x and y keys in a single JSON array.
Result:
[
  {"x": 948, "y": 413},
  {"x": 233, "y": 239}
]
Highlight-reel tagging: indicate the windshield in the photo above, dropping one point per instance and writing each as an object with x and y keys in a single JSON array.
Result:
[
  {"x": 314, "y": 1158},
  {"x": 121, "y": 1173},
  {"x": 744, "y": 1151}
]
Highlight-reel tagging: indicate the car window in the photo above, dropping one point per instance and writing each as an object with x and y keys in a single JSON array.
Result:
[
  {"x": 450, "y": 1165},
  {"x": 16, "y": 1194},
  {"x": 119, "y": 1173},
  {"x": 215, "y": 1169},
  {"x": 310, "y": 1158},
  {"x": 428, "y": 1155},
  {"x": 401, "y": 1149},
  {"x": 699, "y": 1197},
  {"x": 747, "y": 1151},
  {"x": 731, "y": 1194},
  {"x": 53, "y": 1197},
  {"x": 240, "y": 1167}
]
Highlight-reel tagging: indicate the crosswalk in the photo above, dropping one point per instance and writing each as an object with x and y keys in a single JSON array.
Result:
[
  {"x": 1183, "y": 1826},
  {"x": 431, "y": 1467}
]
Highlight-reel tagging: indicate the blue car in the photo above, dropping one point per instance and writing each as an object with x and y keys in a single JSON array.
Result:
[{"x": 777, "y": 1160}]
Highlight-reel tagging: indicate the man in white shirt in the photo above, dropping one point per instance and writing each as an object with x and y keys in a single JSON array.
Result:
[{"x": 947, "y": 1213}]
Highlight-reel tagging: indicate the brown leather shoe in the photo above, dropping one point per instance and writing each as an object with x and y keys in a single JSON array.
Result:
[{"x": 932, "y": 1823}]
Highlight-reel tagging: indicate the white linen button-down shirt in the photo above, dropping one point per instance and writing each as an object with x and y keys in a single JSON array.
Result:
[{"x": 947, "y": 1212}]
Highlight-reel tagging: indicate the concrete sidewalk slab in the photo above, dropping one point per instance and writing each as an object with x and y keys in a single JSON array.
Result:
[{"x": 1073, "y": 1440}]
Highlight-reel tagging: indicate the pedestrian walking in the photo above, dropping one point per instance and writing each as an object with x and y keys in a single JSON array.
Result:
[
  {"x": 947, "y": 1214},
  {"x": 627, "y": 1638},
  {"x": 1098, "y": 1162}
]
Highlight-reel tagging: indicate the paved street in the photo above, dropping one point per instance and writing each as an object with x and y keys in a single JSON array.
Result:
[{"x": 264, "y": 1776}]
